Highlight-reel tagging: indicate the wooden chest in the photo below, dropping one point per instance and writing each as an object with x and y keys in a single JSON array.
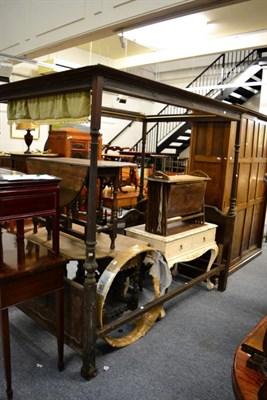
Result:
[{"x": 174, "y": 197}]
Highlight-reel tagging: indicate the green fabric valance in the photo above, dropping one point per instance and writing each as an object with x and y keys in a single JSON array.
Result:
[{"x": 59, "y": 108}]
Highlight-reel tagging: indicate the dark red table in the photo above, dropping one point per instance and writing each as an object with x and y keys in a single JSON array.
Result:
[
  {"x": 29, "y": 270},
  {"x": 25, "y": 196}
]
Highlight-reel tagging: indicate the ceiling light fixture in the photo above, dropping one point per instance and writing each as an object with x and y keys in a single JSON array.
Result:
[
  {"x": 190, "y": 26},
  {"x": 122, "y": 99}
]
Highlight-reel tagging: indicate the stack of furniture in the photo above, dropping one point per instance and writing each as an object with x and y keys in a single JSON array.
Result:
[
  {"x": 128, "y": 180},
  {"x": 175, "y": 221},
  {"x": 172, "y": 199},
  {"x": 228, "y": 141}
]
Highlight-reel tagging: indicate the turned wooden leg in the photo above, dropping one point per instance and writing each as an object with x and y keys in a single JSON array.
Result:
[
  {"x": 60, "y": 328},
  {"x": 4, "y": 322},
  {"x": 213, "y": 254}
]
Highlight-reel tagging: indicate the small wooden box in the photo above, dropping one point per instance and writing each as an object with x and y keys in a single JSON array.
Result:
[{"x": 174, "y": 197}]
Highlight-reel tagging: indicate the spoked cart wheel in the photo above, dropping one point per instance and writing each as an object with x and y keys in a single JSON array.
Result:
[{"x": 126, "y": 285}]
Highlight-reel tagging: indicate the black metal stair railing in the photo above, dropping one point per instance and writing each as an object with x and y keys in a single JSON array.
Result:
[{"x": 223, "y": 70}]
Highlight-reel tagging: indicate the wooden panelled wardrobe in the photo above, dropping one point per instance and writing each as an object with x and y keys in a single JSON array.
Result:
[{"x": 225, "y": 150}]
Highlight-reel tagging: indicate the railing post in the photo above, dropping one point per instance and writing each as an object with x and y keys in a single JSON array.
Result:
[
  {"x": 142, "y": 175},
  {"x": 157, "y": 137},
  {"x": 222, "y": 70}
]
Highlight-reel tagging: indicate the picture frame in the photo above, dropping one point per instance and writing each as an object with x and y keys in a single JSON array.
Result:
[{"x": 19, "y": 134}]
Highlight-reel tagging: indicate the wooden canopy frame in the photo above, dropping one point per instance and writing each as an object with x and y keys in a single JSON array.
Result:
[{"x": 98, "y": 79}]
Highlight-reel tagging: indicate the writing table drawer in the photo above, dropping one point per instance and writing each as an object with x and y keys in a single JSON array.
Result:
[
  {"x": 178, "y": 247},
  {"x": 81, "y": 145},
  {"x": 204, "y": 237}
]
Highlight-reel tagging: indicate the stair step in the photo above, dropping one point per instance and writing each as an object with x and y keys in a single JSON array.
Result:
[{"x": 177, "y": 141}]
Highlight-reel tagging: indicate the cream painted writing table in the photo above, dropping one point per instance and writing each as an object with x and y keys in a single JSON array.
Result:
[{"x": 188, "y": 243}]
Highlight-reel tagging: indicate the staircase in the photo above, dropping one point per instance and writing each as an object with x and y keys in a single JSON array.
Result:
[{"x": 238, "y": 71}]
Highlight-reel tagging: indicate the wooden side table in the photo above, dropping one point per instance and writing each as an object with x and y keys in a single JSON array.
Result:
[
  {"x": 247, "y": 376},
  {"x": 187, "y": 244},
  {"x": 25, "y": 196},
  {"x": 29, "y": 272}
]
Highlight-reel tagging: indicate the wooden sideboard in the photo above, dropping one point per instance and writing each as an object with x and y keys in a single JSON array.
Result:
[
  {"x": 5, "y": 161},
  {"x": 18, "y": 159},
  {"x": 70, "y": 142}
]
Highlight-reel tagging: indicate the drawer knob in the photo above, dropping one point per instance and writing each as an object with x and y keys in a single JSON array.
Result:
[
  {"x": 204, "y": 239},
  {"x": 181, "y": 247}
]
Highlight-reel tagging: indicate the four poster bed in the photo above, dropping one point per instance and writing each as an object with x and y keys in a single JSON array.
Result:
[{"x": 213, "y": 124}]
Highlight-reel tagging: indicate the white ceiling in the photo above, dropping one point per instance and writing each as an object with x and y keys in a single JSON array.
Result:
[
  {"x": 239, "y": 26},
  {"x": 246, "y": 20}
]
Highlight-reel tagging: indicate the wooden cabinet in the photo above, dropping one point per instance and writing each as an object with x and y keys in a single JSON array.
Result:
[
  {"x": 19, "y": 160},
  {"x": 71, "y": 142},
  {"x": 236, "y": 187},
  {"x": 173, "y": 198},
  {"x": 5, "y": 161}
]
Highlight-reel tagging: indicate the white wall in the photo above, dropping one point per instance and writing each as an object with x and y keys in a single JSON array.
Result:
[
  {"x": 9, "y": 144},
  {"x": 110, "y": 127}
]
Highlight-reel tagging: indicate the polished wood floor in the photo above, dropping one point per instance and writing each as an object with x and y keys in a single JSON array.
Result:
[{"x": 247, "y": 381}]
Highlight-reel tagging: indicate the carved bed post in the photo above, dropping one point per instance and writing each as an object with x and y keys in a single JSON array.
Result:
[
  {"x": 229, "y": 229},
  {"x": 231, "y": 210},
  {"x": 89, "y": 370}
]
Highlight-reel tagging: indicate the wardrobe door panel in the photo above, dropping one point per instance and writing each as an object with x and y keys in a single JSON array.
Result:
[
  {"x": 256, "y": 235},
  {"x": 238, "y": 234},
  {"x": 243, "y": 187},
  {"x": 248, "y": 215}
]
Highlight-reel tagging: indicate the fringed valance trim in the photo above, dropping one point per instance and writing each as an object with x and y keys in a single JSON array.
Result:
[
  {"x": 51, "y": 121},
  {"x": 60, "y": 108}
]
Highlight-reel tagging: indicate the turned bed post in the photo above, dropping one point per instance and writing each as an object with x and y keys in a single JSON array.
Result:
[
  {"x": 89, "y": 370},
  {"x": 231, "y": 212}
]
